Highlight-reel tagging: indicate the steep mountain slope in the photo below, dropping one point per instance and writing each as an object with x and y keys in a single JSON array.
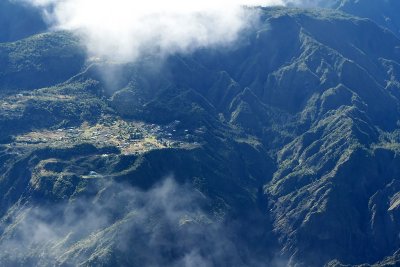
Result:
[
  {"x": 39, "y": 61},
  {"x": 384, "y": 13},
  {"x": 284, "y": 150}
]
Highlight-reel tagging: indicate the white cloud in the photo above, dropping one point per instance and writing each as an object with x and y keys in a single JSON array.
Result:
[
  {"x": 124, "y": 30},
  {"x": 311, "y": 3},
  {"x": 140, "y": 225}
]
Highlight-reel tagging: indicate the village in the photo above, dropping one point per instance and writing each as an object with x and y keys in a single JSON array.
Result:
[{"x": 130, "y": 137}]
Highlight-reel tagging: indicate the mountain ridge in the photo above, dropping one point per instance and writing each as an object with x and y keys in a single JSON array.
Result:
[{"x": 291, "y": 140}]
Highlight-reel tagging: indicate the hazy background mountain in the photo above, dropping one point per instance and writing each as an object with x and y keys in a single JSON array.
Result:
[
  {"x": 382, "y": 12},
  {"x": 19, "y": 21},
  {"x": 280, "y": 149}
]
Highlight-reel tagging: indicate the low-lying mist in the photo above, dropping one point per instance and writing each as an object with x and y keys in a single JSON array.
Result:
[{"x": 166, "y": 225}]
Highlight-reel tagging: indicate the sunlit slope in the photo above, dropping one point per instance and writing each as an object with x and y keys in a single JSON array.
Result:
[
  {"x": 40, "y": 60},
  {"x": 290, "y": 137}
]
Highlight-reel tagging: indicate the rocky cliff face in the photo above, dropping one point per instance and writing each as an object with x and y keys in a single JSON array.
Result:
[{"x": 284, "y": 149}]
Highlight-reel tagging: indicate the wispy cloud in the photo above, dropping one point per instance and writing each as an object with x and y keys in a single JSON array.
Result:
[
  {"x": 311, "y": 3},
  {"x": 124, "y": 30},
  {"x": 166, "y": 225}
]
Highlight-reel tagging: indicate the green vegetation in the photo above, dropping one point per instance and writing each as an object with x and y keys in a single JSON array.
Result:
[
  {"x": 41, "y": 60},
  {"x": 293, "y": 136}
]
